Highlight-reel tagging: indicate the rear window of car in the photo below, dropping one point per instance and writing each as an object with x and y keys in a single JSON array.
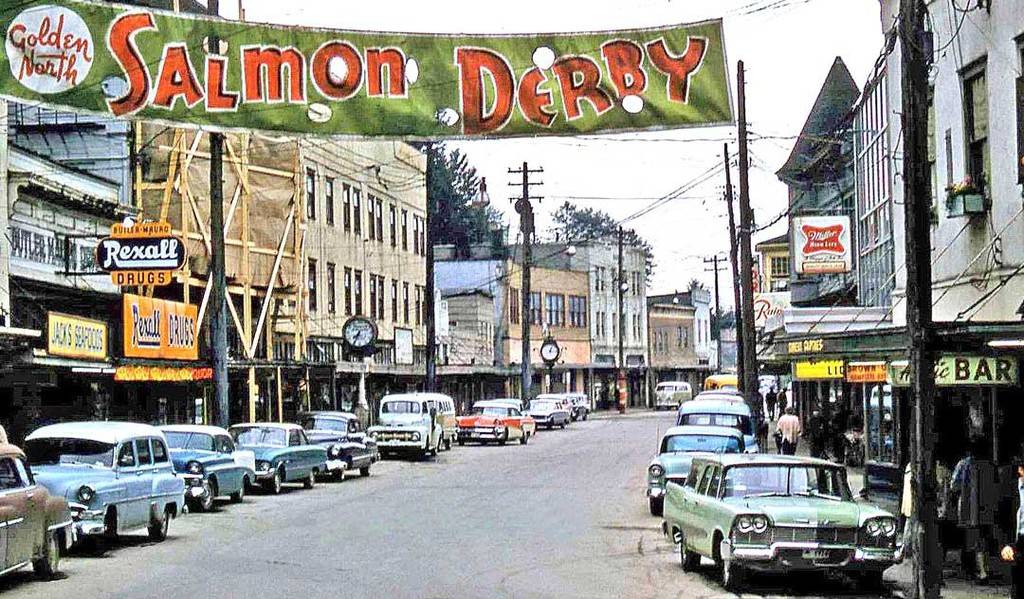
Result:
[{"x": 740, "y": 423}]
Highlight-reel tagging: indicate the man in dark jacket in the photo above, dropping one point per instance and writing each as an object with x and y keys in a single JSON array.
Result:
[{"x": 1014, "y": 552}]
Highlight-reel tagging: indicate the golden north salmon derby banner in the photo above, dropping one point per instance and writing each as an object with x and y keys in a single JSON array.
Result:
[{"x": 130, "y": 61}]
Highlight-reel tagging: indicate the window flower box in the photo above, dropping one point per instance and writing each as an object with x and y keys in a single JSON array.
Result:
[{"x": 965, "y": 199}]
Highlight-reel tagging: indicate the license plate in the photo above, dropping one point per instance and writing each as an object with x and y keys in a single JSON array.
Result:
[{"x": 821, "y": 554}]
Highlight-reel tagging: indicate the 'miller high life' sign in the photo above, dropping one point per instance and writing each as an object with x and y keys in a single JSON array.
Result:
[{"x": 137, "y": 62}]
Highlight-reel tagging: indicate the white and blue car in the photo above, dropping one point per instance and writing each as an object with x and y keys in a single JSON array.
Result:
[
  {"x": 283, "y": 453},
  {"x": 116, "y": 476},
  {"x": 206, "y": 457}
]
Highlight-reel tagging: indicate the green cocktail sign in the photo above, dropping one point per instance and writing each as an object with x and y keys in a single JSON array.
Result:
[{"x": 141, "y": 63}]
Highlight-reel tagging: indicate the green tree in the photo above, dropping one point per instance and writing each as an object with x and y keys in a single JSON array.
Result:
[
  {"x": 572, "y": 223},
  {"x": 456, "y": 215}
]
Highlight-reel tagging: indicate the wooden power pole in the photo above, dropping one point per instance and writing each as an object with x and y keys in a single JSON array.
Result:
[
  {"x": 525, "y": 209},
  {"x": 917, "y": 201},
  {"x": 217, "y": 277},
  {"x": 430, "y": 376},
  {"x": 749, "y": 383}
]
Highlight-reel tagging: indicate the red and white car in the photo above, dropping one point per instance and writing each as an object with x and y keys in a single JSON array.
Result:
[{"x": 496, "y": 421}]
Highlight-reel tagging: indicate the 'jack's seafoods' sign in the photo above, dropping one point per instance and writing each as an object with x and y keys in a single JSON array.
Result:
[
  {"x": 149, "y": 64},
  {"x": 159, "y": 329}
]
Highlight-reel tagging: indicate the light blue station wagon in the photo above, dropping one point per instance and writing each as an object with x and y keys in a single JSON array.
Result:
[
  {"x": 283, "y": 453},
  {"x": 116, "y": 476},
  {"x": 205, "y": 456}
]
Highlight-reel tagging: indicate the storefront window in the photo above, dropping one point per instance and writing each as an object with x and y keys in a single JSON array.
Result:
[{"x": 881, "y": 424}]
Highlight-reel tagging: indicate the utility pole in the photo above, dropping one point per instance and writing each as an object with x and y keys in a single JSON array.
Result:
[
  {"x": 525, "y": 210},
  {"x": 430, "y": 380},
  {"x": 718, "y": 307},
  {"x": 621, "y": 294},
  {"x": 217, "y": 278},
  {"x": 733, "y": 258},
  {"x": 927, "y": 563},
  {"x": 749, "y": 383}
]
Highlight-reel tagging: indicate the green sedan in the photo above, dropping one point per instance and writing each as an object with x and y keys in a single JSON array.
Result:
[{"x": 768, "y": 513}]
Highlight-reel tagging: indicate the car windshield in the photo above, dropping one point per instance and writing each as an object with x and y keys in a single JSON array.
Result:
[
  {"x": 740, "y": 423},
  {"x": 184, "y": 440},
  {"x": 400, "y": 407},
  {"x": 69, "y": 451},
  {"x": 313, "y": 423},
  {"x": 799, "y": 480},
  {"x": 543, "y": 406},
  {"x": 256, "y": 435},
  {"x": 490, "y": 411},
  {"x": 709, "y": 443}
]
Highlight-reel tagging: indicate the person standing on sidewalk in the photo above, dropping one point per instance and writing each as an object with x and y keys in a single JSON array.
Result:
[
  {"x": 1014, "y": 553},
  {"x": 770, "y": 400},
  {"x": 783, "y": 402},
  {"x": 789, "y": 426}
]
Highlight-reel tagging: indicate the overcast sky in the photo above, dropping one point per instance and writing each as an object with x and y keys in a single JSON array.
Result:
[{"x": 788, "y": 51}]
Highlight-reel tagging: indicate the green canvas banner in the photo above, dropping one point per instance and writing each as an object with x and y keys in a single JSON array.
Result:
[{"x": 140, "y": 63}]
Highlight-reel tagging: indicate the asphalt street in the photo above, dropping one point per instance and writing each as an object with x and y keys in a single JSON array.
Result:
[{"x": 564, "y": 516}]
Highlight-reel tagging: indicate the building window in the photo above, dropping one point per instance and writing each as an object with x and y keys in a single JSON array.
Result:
[
  {"x": 535, "y": 311},
  {"x": 311, "y": 284},
  {"x": 556, "y": 310},
  {"x": 380, "y": 297},
  {"x": 405, "y": 302},
  {"x": 615, "y": 326},
  {"x": 357, "y": 283},
  {"x": 373, "y": 296},
  {"x": 577, "y": 311},
  {"x": 348, "y": 291},
  {"x": 779, "y": 266},
  {"x": 329, "y": 200},
  {"x": 393, "y": 221},
  {"x": 371, "y": 231},
  {"x": 331, "y": 290},
  {"x": 419, "y": 305},
  {"x": 513, "y": 305},
  {"x": 599, "y": 278},
  {"x": 976, "y": 127},
  {"x": 310, "y": 194},
  {"x": 346, "y": 207},
  {"x": 380, "y": 219},
  {"x": 405, "y": 230},
  {"x": 394, "y": 300},
  {"x": 357, "y": 223}
]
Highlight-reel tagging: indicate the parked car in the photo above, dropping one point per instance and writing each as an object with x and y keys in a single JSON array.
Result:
[
  {"x": 116, "y": 476},
  {"x": 721, "y": 412},
  {"x": 37, "y": 525},
  {"x": 721, "y": 381},
  {"x": 283, "y": 454},
  {"x": 496, "y": 421},
  {"x": 672, "y": 394},
  {"x": 445, "y": 407},
  {"x": 773, "y": 513},
  {"x": 407, "y": 424},
  {"x": 341, "y": 434},
  {"x": 579, "y": 405},
  {"x": 562, "y": 399},
  {"x": 678, "y": 447},
  {"x": 206, "y": 457},
  {"x": 549, "y": 411}
]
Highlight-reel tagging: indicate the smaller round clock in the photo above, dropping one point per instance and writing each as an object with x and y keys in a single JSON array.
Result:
[
  {"x": 359, "y": 332},
  {"x": 550, "y": 351}
]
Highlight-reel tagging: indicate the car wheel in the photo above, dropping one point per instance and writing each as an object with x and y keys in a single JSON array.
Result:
[
  {"x": 732, "y": 576},
  {"x": 563, "y": 425},
  {"x": 525, "y": 438},
  {"x": 338, "y": 476},
  {"x": 239, "y": 496},
  {"x": 688, "y": 560},
  {"x": 310, "y": 481},
  {"x": 504, "y": 438},
  {"x": 205, "y": 502},
  {"x": 364, "y": 471},
  {"x": 47, "y": 564},
  {"x": 158, "y": 526},
  {"x": 274, "y": 484},
  {"x": 657, "y": 505}
]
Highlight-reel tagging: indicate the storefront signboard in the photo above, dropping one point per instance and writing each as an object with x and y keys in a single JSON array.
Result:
[
  {"x": 403, "y": 346},
  {"x": 866, "y": 372},
  {"x": 966, "y": 371},
  {"x": 818, "y": 370},
  {"x": 769, "y": 309},
  {"x": 136, "y": 62},
  {"x": 156, "y": 374},
  {"x": 160, "y": 329},
  {"x": 822, "y": 244},
  {"x": 75, "y": 337},
  {"x": 141, "y": 254},
  {"x": 805, "y": 346}
]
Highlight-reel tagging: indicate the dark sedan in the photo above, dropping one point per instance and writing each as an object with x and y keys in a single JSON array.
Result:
[{"x": 342, "y": 435}]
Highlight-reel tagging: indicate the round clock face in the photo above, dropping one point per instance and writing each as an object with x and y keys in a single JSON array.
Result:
[
  {"x": 359, "y": 332},
  {"x": 549, "y": 351}
]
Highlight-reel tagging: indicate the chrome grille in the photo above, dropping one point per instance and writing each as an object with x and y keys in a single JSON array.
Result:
[{"x": 832, "y": 536}]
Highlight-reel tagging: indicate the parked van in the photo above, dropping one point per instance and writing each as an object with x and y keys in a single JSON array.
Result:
[
  {"x": 721, "y": 381},
  {"x": 672, "y": 394},
  {"x": 446, "y": 416},
  {"x": 409, "y": 423},
  {"x": 733, "y": 413}
]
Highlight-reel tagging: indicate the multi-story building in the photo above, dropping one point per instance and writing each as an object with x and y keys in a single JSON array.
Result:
[
  {"x": 774, "y": 255},
  {"x": 679, "y": 330}
]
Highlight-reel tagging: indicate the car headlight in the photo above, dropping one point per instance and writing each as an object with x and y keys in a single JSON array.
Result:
[
  {"x": 194, "y": 467},
  {"x": 873, "y": 528},
  {"x": 335, "y": 451},
  {"x": 888, "y": 527},
  {"x": 86, "y": 493},
  {"x": 373, "y": 434},
  {"x": 262, "y": 466},
  {"x": 415, "y": 436},
  {"x": 744, "y": 524},
  {"x": 759, "y": 524},
  {"x": 656, "y": 470}
]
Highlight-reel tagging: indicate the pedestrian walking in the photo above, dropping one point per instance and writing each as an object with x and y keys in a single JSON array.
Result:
[
  {"x": 817, "y": 431},
  {"x": 973, "y": 485},
  {"x": 1014, "y": 552},
  {"x": 789, "y": 426},
  {"x": 782, "y": 402},
  {"x": 770, "y": 400}
]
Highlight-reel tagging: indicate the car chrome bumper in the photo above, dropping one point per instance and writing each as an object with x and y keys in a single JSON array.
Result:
[
  {"x": 655, "y": 492},
  {"x": 396, "y": 445},
  {"x": 262, "y": 475},
  {"x": 86, "y": 522},
  {"x": 790, "y": 556},
  {"x": 336, "y": 465},
  {"x": 478, "y": 435}
]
